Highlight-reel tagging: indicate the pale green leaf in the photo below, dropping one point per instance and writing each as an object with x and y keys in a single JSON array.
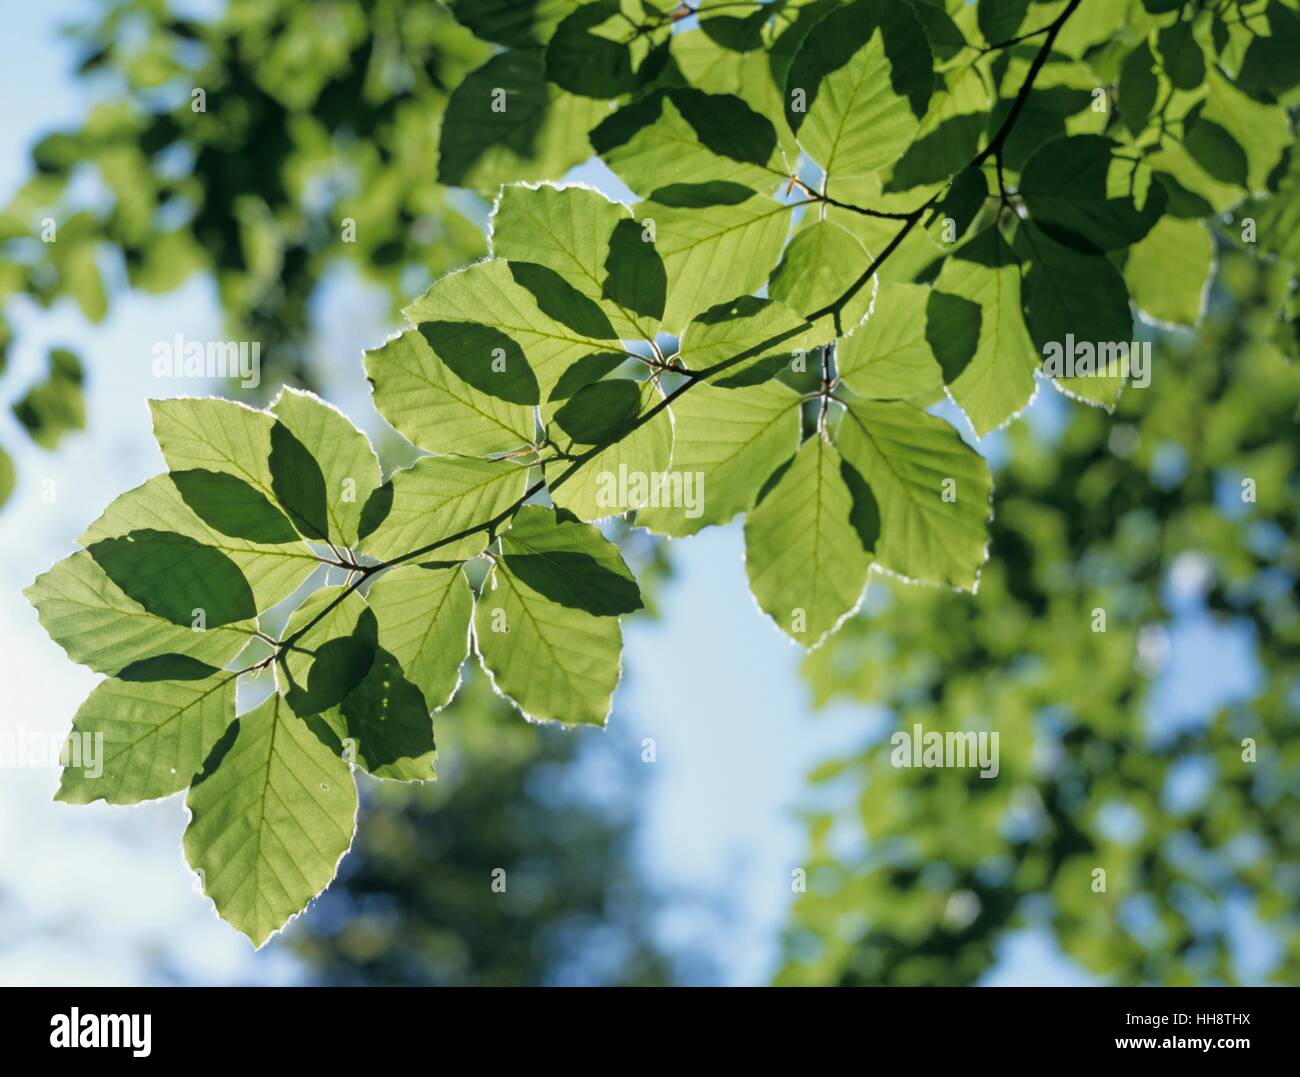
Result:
[
  {"x": 726, "y": 444},
  {"x": 273, "y": 571},
  {"x": 434, "y": 408},
  {"x": 492, "y": 332},
  {"x": 804, "y": 559},
  {"x": 344, "y": 454},
  {"x": 714, "y": 252},
  {"x": 931, "y": 488},
  {"x": 821, "y": 265},
  {"x": 436, "y": 499},
  {"x": 505, "y": 123},
  {"x": 570, "y": 563},
  {"x": 424, "y": 616},
  {"x": 1168, "y": 272},
  {"x": 752, "y": 76},
  {"x": 329, "y": 645},
  {"x": 990, "y": 372},
  {"x": 746, "y": 341},
  {"x": 271, "y": 817},
  {"x": 213, "y": 434},
  {"x": 573, "y": 230},
  {"x": 683, "y": 135},
  {"x": 866, "y": 72},
  {"x": 99, "y": 626},
  {"x": 890, "y": 358},
  {"x": 149, "y": 736},
  {"x": 556, "y": 663},
  {"x": 623, "y": 475}
]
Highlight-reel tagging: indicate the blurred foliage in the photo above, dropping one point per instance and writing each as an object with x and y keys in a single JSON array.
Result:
[
  {"x": 259, "y": 145},
  {"x": 414, "y": 901},
  {"x": 922, "y": 875},
  {"x": 53, "y": 407}
]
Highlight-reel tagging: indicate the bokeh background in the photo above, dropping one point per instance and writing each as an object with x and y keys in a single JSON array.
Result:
[{"x": 1120, "y": 750}]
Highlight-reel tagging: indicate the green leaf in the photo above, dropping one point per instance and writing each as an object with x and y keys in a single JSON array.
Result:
[
  {"x": 1259, "y": 133},
  {"x": 271, "y": 571},
  {"x": 493, "y": 333},
  {"x": 746, "y": 341},
  {"x": 1181, "y": 57},
  {"x": 384, "y": 726},
  {"x": 1169, "y": 271},
  {"x": 1070, "y": 298},
  {"x": 1000, "y": 19},
  {"x": 945, "y": 36},
  {"x": 866, "y": 74},
  {"x": 678, "y": 136},
  {"x": 330, "y": 644},
  {"x": 715, "y": 251},
  {"x": 433, "y": 407},
  {"x": 508, "y": 22},
  {"x": 438, "y": 498},
  {"x": 992, "y": 376},
  {"x": 215, "y": 435},
  {"x": 621, "y": 476},
  {"x": 822, "y": 262},
  {"x": 343, "y": 454},
  {"x": 227, "y": 504},
  {"x": 424, "y": 616},
  {"x": 101, "y": 627},
  {"x": 593, "y": 243},
  {"x": 554, "y": 662},
  {"x": 805, "y": 562},
  {"x": 932, "y": 490},
  {"x": 155, "y": 735},
  {"x": 742, "y": 32},
  {"x": 176, "y": 578},
  {"x": 726, "y": 445},
  {"x": 569, "y": 563},
  {"x": 963, "y": 202},
  {"x": 890, "y": 358},
  {"x": 1138, "y": 86},
  {"x": 754, "y": 77},
  {"x": 601, "y": 412},
  {"x": 270, "y": 818},
  {"x": 587, "y": 53},
  {"x": 1084, "y": 195},
  {"x": 1060, "y": 104},
  {"x": 949, "y": 134},
  {"x": 506, "y": 124},
  {"x": 1269, "y": 65},
  {"x": 212, "y": 434}
]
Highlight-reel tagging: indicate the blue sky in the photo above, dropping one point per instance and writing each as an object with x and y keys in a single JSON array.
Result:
[{"x": 94, "y": 895}]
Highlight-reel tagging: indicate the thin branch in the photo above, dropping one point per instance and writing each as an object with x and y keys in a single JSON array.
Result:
[
  {"x": 1018, "y": 105},
  {"x": 826, "y": 387},
  {"x": 819, "y": 196}
]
